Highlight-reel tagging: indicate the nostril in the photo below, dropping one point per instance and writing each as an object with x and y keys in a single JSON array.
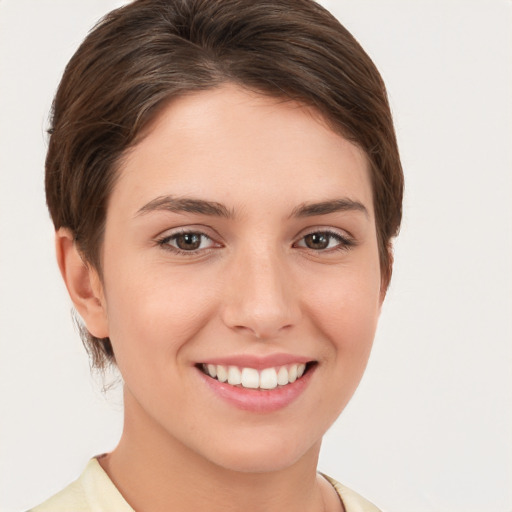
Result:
[
  {"x": 260, "y": 299},
  {"x": 262, "y": 330}
]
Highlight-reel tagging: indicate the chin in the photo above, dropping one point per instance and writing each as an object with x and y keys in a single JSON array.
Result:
[{"x": 266, "y": 455}]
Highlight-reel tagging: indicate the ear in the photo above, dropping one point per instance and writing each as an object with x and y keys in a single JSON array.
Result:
[
  {"x": 83, "y": 284},
  {"x": 386, "y": 276}
]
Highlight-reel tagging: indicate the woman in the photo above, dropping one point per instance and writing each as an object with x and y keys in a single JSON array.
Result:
[{"x": 225, "y": 185}]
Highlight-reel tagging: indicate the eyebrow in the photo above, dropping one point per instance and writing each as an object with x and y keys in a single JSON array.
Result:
[
  {"x": 177, "y": 204},
  {"x": 213, "y": 208},
  {"x": 326, "y": 207}
]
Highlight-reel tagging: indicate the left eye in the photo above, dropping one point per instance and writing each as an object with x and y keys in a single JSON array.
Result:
[
  {"x": 188, "y": 241},
  {"x": 323, "y": 240}
]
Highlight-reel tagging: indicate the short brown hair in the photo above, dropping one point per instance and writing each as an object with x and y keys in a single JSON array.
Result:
[{"x": 143, "y": 54}]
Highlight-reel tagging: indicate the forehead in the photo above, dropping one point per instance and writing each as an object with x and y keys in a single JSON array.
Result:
[{"x": 227, "y": 141}]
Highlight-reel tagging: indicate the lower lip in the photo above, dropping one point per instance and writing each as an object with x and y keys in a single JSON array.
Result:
[{"x": 259, "y": 400}]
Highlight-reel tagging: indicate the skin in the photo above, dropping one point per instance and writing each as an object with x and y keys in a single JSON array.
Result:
[{"x": 253, "y": 286}]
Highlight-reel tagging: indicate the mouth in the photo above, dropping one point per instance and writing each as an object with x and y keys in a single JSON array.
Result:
[{"x": 274, "y": 377}]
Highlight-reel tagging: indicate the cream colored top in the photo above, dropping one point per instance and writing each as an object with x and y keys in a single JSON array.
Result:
[{"x": 93, "y": 491}]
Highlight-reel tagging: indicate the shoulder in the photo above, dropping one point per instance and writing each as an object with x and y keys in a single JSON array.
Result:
[
  {"x": 93, "y": 491},
  {"x": 352, "y": 501}
]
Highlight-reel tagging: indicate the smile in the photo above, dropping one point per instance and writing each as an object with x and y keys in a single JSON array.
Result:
[{"x": 251, "y": 378}]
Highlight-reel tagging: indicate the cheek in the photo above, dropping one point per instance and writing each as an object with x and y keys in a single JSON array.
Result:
[
  {"x": 347, "y": 309},
  {"x": 156, "y": 310}
]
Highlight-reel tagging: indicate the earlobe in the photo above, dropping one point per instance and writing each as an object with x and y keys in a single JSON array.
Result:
[{"x": 83, "y": 284}]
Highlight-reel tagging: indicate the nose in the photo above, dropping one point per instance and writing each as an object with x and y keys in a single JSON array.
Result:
[{"x": 261, "y": 298}]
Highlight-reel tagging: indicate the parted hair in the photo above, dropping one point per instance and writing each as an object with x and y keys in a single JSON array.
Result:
[{"x": 143, "y": 54}]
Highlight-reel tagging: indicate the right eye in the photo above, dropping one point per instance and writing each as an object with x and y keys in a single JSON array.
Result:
[{"x": 189, "y": 242}]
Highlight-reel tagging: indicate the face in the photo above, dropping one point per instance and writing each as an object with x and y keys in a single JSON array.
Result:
[{"x": 240, "y": 244}]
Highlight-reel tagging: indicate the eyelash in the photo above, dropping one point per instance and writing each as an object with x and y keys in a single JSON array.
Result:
[
  {"x": 344, "y": 242},
  {"x": 164, "y": 242}
]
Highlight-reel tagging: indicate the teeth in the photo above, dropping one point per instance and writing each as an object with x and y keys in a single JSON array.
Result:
[
  {"x": 268, "y": 378},
  {"x": 212, "y": 370},
  {"x": 234, "y": 376},
  {"x": 282, "y": 376},
  {"x": 222, "y": 374},
  {"x": 250, "y": 378},
  {"x": 292, "y": 373}
]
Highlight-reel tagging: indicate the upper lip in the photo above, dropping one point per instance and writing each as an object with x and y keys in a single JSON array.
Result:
[{"x": 257, "y": 362}]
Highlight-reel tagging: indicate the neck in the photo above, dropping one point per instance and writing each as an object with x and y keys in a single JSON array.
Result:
[{"x": 155, "y": 471}]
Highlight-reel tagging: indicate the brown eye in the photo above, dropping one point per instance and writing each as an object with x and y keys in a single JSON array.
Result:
[
  {"x": 188, "y": 241},
  {"x": 324, "y": 241},
  {"x": 317, "y": 241}
]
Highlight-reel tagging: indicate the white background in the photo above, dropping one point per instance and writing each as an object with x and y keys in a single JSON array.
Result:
[{"x": 430, "y": 428}]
